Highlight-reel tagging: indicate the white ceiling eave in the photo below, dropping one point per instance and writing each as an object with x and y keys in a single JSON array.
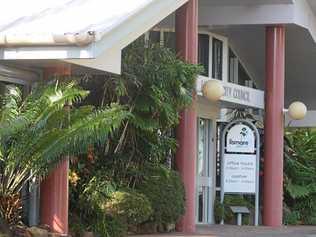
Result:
[
  {"x": 297, "y": 12},
  {"x": 104, "y": 54},
  {"x": 244, "y": 14},
  {"x": 305, "y": 17},
  {"x": 108, "y": 61},
  {"x": 110, "y": 46}
]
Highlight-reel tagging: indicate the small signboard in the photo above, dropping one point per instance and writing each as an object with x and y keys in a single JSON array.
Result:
[
  {"x": 240, "y": 173},
  {"x": 240, "y": 161}
]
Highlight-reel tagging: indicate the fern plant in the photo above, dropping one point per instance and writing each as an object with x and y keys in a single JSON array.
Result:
[
  {"x": 155, "y": 85},
  {"x": 300, "y": 173},
  {"x": 37, "y": 132}
]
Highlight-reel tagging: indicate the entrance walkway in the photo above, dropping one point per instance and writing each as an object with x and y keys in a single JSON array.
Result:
[{"x": 245, "y": 231}]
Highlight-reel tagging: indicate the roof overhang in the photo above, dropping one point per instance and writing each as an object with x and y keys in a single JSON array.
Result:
[
  {"x": 258, "y": 12},
  {"x": 104, "y": 53}
]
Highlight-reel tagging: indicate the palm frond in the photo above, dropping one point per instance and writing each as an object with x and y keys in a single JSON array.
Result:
[{"x": 36, "y": 134}]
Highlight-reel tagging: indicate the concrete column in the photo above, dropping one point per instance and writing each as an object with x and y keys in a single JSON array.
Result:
[
  {"x": 186, "y": 44},
  {"x": 273, "y": 126},
  {"x": 54, "y": 188}
]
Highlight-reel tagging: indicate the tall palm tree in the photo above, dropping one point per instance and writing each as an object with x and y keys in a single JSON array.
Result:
[{"x": 36, "y": 133}]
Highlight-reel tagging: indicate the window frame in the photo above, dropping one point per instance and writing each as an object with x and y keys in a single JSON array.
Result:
[
  {"x": 250, "y": 83},
  {"x": 211, "y": 35}
]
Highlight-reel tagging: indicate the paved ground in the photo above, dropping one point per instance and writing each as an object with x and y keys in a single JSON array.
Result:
[{"x": 246, "y": 231}]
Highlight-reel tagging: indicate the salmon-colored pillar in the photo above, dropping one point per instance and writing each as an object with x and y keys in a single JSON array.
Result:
[
  {"x": 186, "y": 44},
  {"x": 273, "y": 126},
  {"x": 54, "y": 188}
]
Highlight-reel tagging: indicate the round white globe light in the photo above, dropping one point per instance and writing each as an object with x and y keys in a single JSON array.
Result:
[
  {"x": 297, "y": 110},
  {"x": 213, "y": 90}
]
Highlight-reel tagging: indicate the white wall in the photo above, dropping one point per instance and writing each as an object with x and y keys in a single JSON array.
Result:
[{"x": 308, "y": 121}]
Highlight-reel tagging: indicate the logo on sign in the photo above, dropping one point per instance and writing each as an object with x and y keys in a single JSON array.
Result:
[
  {"x": 240, "y": 139},
  {"x": 243, "y": 139}
]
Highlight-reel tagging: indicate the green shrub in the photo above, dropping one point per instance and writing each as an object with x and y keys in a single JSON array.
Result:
[
  {"x": 87, "y": 198},
  {"x": 219, "y": 211},
  {"x": 129, "y": 206},
  {"x": 299, "y": 176},
  {"x": 76, "y": 227},
  {"x": 109, "y": 226},
  {"x": 97, "y": 191},
  {"x": 165, "y": 191},
  {"x": 306, "y": 207},
  {"x": 291, "y": 217}
]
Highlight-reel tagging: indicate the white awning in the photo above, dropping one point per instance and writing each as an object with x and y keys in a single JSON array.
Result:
[
  {"x": 51, "y": 21},
  {"x": 86, "y": 32}
]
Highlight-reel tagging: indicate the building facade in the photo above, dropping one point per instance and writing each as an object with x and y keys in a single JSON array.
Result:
[{"x": 262, "y": 52}]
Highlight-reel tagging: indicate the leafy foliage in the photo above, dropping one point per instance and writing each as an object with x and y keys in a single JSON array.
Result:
[
  {"x": 97, "y": 190},
  {"x": 88, "y": 196},
  {"x": 155, "y": 86},
  {"x": 165, "y": 191},
  {"x": 129, "y": 206},
  {"x": 290, "y": 217},
  {"x": 101, "y": 208},
  {"x": 109, "y": 226},
  {"x": 37, "y": 133},
  {"x": 300, "y": 174}
]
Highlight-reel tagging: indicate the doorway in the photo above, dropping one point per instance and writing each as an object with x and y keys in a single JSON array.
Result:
[{"x": 205, "y": 173}]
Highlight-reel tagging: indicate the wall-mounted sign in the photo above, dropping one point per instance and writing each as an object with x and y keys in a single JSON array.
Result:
[
  {"x": 236, "y": 94},
  {"x": 240, "y": 173},
  {"x": 240, "y": 139}
]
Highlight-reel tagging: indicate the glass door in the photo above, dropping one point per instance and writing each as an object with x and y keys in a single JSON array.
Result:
[{"x": 205, "y": 174}]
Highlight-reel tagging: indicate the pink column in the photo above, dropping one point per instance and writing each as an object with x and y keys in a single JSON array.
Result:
[
  {"x": 186, "y": 43},
  {"x": 273, "y": 126},
  {"x": 54, "y": 188}
]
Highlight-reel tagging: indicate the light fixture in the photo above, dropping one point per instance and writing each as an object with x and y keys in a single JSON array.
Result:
[
  {"x": 297, "y": 110},
  {"x": 213, "y": 90}
]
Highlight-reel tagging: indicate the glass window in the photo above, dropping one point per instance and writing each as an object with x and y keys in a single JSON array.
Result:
[
  {"x": 203, "y": 53},
  {"x": 170, "y": 40},
  {"x": 204, "y": 171},
  {"x": 237, "y": 73},
  {"x": 233, "y": 67},
  {"x": 242, "y": 75},
  {"x": 154, "y": 37},
  {"x": 217, "y": 59},
  {"x": 4, "y": 84}
]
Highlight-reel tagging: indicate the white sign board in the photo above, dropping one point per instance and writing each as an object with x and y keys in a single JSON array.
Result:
[
  {"x": 240, "y": 155},
  {"x": 240, "y": 173},
  {"x": 240, "y": 139}
]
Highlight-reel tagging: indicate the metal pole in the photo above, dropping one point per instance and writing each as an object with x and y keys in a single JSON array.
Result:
[
  {"x": 239, "y": 219},
  {"x": 222, "y": 167},
  {"x": 33, "y": 214},
  {"x": 257, "y": 177}
]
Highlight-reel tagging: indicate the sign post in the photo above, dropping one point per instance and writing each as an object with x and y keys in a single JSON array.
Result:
[{"x": 240, "y": 152}]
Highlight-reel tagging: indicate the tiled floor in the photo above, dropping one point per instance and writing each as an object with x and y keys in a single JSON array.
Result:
[{"x": 246, "y": 231}]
